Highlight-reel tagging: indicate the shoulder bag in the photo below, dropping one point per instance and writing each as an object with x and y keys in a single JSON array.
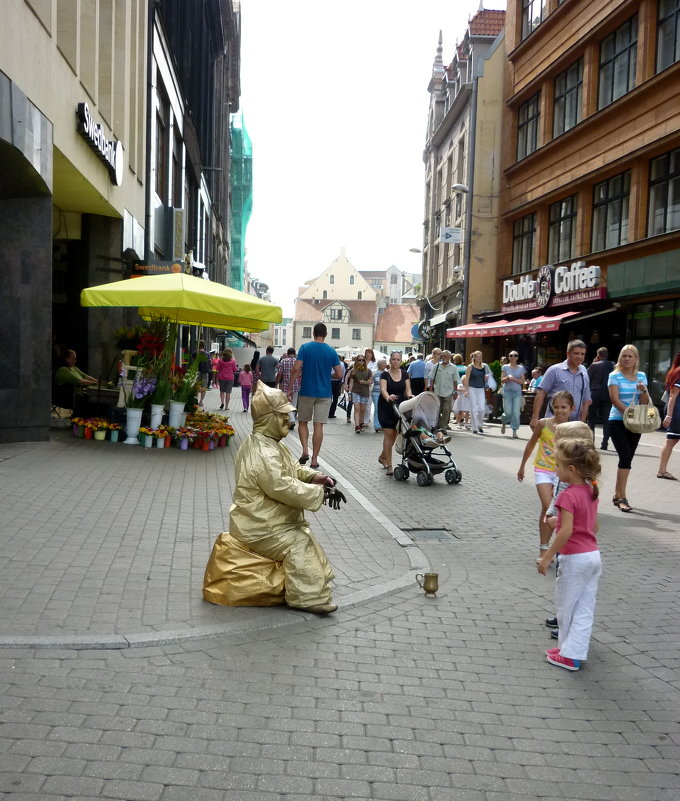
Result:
[{"x": 641, "y": 418}]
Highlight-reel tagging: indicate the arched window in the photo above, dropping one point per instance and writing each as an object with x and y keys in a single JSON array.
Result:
[
  {"x": 325, "y": 294},
  {"x": 358, "y": 295},
  {"x": 331, "y": 279},
  {"x": 351, "y": 279}
]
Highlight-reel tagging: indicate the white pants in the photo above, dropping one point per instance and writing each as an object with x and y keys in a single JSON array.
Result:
[
  {"x": 477, "y": 406},
  {"x": 578, "y": 575},
  {"x": 368, "y": 412}
]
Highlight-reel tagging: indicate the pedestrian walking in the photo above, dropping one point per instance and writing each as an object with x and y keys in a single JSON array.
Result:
[
  {"x": 336, "y": 389},
  {"x": 375, "y": 393},
  {"x": 627, "y": 385},
  {"x": 283, "y": 381},
  {"x": 359, "y": 386},
  {"x": 513, "y": 378},
  {"x": 461, "y": 404},
  {"x": 315, "y": 361},
  {"x": 226, "y": 370},
  {"x": 204, "y": 371},
  {"x": 598, "y": 411},
  {"x": 268, "y": 366},
  {"x": 444, "y": 384},
  {"x": 543, "y": 435},
  {"x": 671, "y": 419},
  {"x": 395, "y": 386},
  {"x": 580, "y": 565},
  {"x": 372, "y": 365},
  {"x": 416, "y": 371},
  {"x": 476, "y": 381},
  {"x": 431, "y": 365},
  {"x": 246, "y": 381},
  {"x": 570, "y": 376}
]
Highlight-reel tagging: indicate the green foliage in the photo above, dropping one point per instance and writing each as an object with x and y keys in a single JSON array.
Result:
[{"x": 495, "y": 368}]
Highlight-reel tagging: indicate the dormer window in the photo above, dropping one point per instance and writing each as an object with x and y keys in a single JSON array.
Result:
[
  {"x": 331, "y": 280},
  {"x": 351, "y": 279},
  {"x": 325, "y": 295}
]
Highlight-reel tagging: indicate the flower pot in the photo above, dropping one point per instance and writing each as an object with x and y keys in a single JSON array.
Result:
[
  {"x": 167, "y": 442},
  {"x": 134, "y": 419},
  {"x": 160, "y": 442},
  {"x": 156, "y": 415},
  {"x": 114, "y": 435},
  {"x": 205, "y": 445},
  {"x": 184, "y": 443},
  {"x": 100, "y": 435},
  {"x": 223, "y": 441},
  {"x": 76, "y": 429},
  {"x": 148, "y": 440},
  {"x": 81, "y": 432},
  {"x": 211, "y": 444},
  {"x": 176, "y": 409},
  {"x": 88, "y": 432}
]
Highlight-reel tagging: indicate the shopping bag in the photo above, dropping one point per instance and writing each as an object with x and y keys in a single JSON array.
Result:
[{"x": 641, "y": 418}]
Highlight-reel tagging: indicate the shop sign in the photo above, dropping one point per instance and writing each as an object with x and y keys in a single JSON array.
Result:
[
  {"x": 159, "y": 268},
  {"x": 553, "y": 286},
  {"x": 110, "y": 152}
]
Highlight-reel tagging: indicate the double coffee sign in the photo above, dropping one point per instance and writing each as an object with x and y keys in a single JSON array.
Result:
[
  {"x": 553, "y": 286},
  {"x": 110, "y": 152}
]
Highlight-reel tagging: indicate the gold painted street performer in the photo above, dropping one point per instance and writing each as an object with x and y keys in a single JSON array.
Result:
[{"x": 267, "y": 525}]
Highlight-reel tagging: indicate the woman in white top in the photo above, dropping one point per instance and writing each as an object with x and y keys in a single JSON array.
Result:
[
  {"x": 627, "y": 385},
  {"x": 372, "y": 365}
]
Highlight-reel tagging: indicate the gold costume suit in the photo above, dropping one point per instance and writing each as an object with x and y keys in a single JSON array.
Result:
[{"x": 267, "y": 513}]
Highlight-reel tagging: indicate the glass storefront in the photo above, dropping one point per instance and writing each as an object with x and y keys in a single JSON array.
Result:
[{"x": 655, "y": 331}]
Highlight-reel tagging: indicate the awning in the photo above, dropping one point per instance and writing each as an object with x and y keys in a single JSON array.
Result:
[
  {"x": 438, "y": 319},
  {"x": 502, "y": 328}
]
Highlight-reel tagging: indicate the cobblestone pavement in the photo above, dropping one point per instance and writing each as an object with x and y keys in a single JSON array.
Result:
[{"x": 400, "y": 697}]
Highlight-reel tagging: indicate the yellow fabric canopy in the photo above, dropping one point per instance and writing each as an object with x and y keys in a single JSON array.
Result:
[{"x": 187, "y": 300}]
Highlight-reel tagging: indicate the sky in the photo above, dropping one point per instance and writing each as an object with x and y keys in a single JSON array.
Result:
[{"x": 334, "y": 97}]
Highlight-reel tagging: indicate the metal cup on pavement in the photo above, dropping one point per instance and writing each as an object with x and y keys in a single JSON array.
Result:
[{"x": 430, "y": 582}]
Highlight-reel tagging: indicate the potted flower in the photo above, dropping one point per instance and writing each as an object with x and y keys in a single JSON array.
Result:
[
  {"x": 161, "y": 434},
  {"x": 100, "y": 427},
  {"x": 160, "y": 366},
  {"x": 142, "y": 387},
  {"x": 184, "y": 437},
  {"x": 78, "y": 429},
  {"x": 146, "y": 435},
  {"x": 114, "y": 428},
  {"x": 183, "y": 383}
]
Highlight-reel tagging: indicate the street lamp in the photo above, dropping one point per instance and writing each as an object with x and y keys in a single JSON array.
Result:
[{"x": 460, "y": 188}]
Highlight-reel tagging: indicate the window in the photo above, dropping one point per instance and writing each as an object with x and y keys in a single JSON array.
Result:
[
  {"x": 351, "y": 279},
  {"x": 618, "y": 62},
  {"x": 610, "y": 212},
  {"x": 356, "y": 333},
  {"x": 324, "y": 295},
  {"x": 335, "y": 333},
  {"x": 162, "y": 123},
  {"x": 533, "y": 12},
  {"x": 331, "y": 280},
  {"x": 568, "y": 94},
  {"x": 562, "y": 232},
  {"x": 664, "y": 194},
  {"x": 527, "y": 126},
  {"x": 523, "y": 235},
  {"x": 393, "y": 279},
  {"x": 336, "y": 314},
  {"x": 307, "y": 332},
  {"x": 668, "y": 34},
  {"x": 359, "y": 295}
]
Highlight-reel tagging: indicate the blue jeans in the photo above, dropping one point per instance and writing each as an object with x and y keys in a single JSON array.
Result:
[
  {"x": 511, "y": 409},
  {"x": 375, "y": 394}
]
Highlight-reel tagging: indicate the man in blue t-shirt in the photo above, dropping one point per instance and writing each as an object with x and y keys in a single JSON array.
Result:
[{"x": 317, "y": 361}]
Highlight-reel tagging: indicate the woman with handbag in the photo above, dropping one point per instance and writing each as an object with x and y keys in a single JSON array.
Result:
[
  {"x": 477, "y": 378},
  {"x": 627, "y": 387},
  {"x": 672, "y": 419}
]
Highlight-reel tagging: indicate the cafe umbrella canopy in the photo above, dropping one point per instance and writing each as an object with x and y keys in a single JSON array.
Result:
[{"x": 187, "y": 300}]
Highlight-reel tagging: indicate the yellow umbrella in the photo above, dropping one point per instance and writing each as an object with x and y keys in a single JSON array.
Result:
[{"x": 188, "y": 300}]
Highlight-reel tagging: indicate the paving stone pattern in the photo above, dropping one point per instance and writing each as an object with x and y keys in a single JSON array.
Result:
[{"x": 403, "y": 697}]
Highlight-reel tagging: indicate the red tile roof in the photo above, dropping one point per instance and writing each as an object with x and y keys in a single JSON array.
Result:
[
  {"x": 487, "y": 23},
  {"x": 395, "y": 323}
]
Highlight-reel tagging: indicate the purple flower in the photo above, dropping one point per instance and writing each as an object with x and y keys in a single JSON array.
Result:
[{"x": 143, "y": 386}]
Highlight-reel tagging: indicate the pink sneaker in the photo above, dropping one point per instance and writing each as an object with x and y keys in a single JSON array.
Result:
[
  {"x": 552, "y": 651},
  {"x": 563, "y": 661}
]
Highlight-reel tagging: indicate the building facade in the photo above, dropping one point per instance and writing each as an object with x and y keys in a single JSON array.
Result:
[
  {"x": 589, "y": 232},
  {"x": 462, "y": 178},
  {"x": 114, "y": 161}
]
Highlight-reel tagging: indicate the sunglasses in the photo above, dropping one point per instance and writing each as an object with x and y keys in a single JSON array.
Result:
[{"x": 515, "y": 355}]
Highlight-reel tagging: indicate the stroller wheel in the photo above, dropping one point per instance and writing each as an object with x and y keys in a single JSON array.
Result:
[
  {"x": 422, "y": 478},
  {"x": 400, "y": 473},
  {"x": 453, "y": 476}
]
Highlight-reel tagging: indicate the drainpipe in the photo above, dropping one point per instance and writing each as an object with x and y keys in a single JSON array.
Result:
[
  {"x": 468, "y": 207},
  {"x": 149, "y": 105}
]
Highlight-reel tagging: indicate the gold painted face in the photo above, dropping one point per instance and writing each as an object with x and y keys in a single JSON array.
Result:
[{"x": 283, "y": 423}]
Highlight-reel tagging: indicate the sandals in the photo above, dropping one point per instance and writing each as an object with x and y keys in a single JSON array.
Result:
[
  {"x": 622, "y": 504},
  {"x": 383, "y": 463},
  {"x": 667, "y": 475},
  {"x": 303, "y": 459},
  {"x": 314, "y": 466},
  {"x": 389, "y": 472}
]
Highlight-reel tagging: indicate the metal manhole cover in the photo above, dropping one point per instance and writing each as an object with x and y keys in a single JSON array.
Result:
[{"x": 430, "y": 534}]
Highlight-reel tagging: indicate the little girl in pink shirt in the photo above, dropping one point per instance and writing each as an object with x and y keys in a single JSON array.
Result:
[
  {"x": 580, "y": 565},
  {"x": 245, "y": 379}
]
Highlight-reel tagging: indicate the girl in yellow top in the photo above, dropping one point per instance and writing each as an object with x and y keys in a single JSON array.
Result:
[{"x": 544, "y": 463}]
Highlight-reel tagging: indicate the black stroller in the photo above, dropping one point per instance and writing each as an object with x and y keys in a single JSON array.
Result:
[{"x": 422, "y": 455}]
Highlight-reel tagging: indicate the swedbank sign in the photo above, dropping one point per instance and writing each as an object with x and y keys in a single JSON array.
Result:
[
  {"x": 553, "y": 286},
  {"x": 110, "y": 152}
]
